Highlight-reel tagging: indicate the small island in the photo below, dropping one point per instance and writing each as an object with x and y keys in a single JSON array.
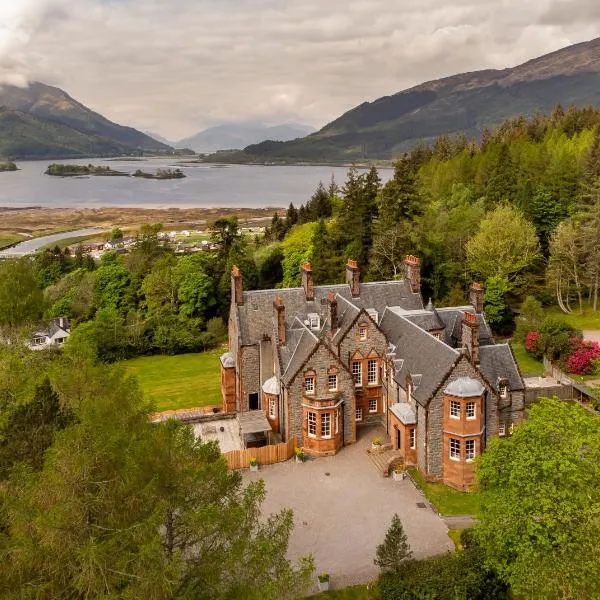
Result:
[
  {"x": 161, "y": 174},
  {"x": 8, "y": 166},
  {"x": 59, "y": 170}
]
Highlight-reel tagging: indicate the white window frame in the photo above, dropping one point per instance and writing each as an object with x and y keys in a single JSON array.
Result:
[
  {"x": 373, "y": 410},
  {"x": 357, "y": 373},
  {"x": 412, "y": 436},
  {"x": 452, "y": 406},
  {"x": 454, "y": 449},
  {"x": 372, "y": 371},
  {"x": 309, "y": 389},
  {"x": 502, "y": 429},
  {"x": 332, "y": 378},
  {"x": 39, "y": 341},
  {"x": 358, "y": 415},
  {"x": 272, "y": 408},
  {"x": 503, "y": 390},
  {"x": 472, "y": 405},
  {"x": 362, "y": 333},
  {"x": 315, "y": 322},
  {"x": 312, "y": 424},
  {"x": 326, "y": 425},
  {"x": 470, "y": 454}
]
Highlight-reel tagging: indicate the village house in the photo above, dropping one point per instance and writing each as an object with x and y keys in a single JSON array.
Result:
[
  {"x": 321, "y": 362},
  {"x": 51, "y": 336}
]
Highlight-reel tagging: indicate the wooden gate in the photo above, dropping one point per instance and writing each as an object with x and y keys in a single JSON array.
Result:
[{"x": 267, "y": 455}]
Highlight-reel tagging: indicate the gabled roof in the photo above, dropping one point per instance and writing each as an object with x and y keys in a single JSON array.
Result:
[
  {"x": 255, "y": 315},
  {"x": 421, "y": 353},
  {"x": 297, "y": 355},
  {"x": 497, "y": 362},
  {"x": 452, "y": 318}
]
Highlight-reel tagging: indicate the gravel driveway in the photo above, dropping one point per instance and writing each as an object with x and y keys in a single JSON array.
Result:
[{"x": 342, "y": 510}]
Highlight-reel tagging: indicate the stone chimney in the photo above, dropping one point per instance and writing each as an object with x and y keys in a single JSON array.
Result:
[
  {"x": 280, "y": 312},
  {"x": 307, "y": 281},
  {"x": 237, "y": 287},
  {"x": 470, "y": 336},
  {"x": 353, "y": 277},
  {"x": 476, "y": 297},
  {"x": 412, "y": 272},
  {"x": 332, "y": 303}
]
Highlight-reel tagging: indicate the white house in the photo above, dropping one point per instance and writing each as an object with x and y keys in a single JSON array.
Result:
[{"x": 54, "y": 335}]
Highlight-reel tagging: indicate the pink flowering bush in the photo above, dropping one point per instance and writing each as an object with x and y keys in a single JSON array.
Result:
[
  {"x": 532, "y": 342},
  {"x": 582, "y": 361}
]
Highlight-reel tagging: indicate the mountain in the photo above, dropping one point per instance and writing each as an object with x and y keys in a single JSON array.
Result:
[
  {"x": 41, "y": 121},
  {"x": 239, "y": 135},
  {"x": 465, "y": 103},
  {"x": 159, "y": 138}
]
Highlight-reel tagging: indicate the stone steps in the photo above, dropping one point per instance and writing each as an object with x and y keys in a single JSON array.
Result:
[{"x": 384, "y": 460}]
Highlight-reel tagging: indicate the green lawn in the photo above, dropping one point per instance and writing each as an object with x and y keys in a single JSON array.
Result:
[
  {"x": 529, "y": 365},
  {"x": 9, "y": 238},
  {"x": 355, "y": 592},
  {"x": 182, "y": 381},
  {"x": 588, "y": 320},
  {"x": 446, "y": 500}
]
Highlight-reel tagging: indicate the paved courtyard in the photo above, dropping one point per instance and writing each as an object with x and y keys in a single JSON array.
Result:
[{"x": 342, "y": 510}]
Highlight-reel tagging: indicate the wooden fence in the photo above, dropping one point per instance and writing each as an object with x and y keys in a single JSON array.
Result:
[{"x": 267, "y": 455}]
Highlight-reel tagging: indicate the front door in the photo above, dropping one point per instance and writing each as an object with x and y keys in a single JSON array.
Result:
[
  {"x": 398, "y": 438},
  {"x": 253, "y": 402}
]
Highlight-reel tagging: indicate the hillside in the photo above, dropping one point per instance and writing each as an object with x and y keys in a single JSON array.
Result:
[
  {"x": 239, "y": 135},
  {"x": 43, "y": 121},
  {"x": 467, "y": 103}
]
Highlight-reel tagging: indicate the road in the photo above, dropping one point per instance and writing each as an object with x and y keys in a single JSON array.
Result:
[{"x": 33, "y": 245}]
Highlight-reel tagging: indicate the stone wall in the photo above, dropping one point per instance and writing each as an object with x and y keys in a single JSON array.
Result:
[{"x": 250, "y": 375}]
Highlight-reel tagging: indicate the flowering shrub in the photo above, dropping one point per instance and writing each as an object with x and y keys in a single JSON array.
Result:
[
  {"x": 581, "y": 362},
  {"x": 532, "y": 342}
]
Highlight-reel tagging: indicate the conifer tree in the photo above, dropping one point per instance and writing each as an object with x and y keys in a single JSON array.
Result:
[
  {"x": 394, "y": 550},
  {"x": 502, "y": 185}
]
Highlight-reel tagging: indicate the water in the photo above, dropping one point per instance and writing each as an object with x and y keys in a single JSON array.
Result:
[
  {"x": 33, "y": 245},
  {"x": 206, "y": 186}
]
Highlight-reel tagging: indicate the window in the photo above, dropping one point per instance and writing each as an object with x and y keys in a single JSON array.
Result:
[
  {"x": 314, "y": 321},
  {"x": 39, "y": 341},
  {"x": 309, "y": 385},
  {"x": 337, "y": 421},
  {"x": 362, "y": 333},
  {"x": 357, "y": 372},
  {"x": 332, "y": 383},
  {"x": 501, "y": 429},
  {"x": 373, "y": 405},
  {"x": 470, "y": 410},
  {"x": 413, "y": 438},
  {"x": 312, "y": 424},
  {"x": 470, "y": 450},
  {"x": 326, "y": 425},
  {"x": 454, "y": 449},
  {"x": 359, "y": 414},
  {"x": 272, "y": 408},
  {"x": 372, "y": 372},
  {"x": 454, "y": 409},
  {"x": 503, "y": 390}
]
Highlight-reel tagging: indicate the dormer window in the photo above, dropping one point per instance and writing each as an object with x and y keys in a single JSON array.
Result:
[
  {"x": 503, "y": 389},
  {"x": 309, "y": 385},
  {"x": 314, "y": 321}
]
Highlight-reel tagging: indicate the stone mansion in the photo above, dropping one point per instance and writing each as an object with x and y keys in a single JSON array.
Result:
[{"x": 323, "y": 361}]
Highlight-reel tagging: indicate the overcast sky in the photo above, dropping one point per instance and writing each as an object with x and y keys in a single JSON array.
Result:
[{"x": 177, "y": 66}]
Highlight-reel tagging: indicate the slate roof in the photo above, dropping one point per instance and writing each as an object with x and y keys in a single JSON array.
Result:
[
  {"x": 405, "y": 412},
  {"x": 497, "y": 361},
  {"x": 293, "y": 356},
  {"x": 227, "y": 360},
  {"x": 452, "y": 318},
  {"x": 256, "y": 314},
  {"x": 421, "y": 353},
  {"x": 465, "y": 387}
]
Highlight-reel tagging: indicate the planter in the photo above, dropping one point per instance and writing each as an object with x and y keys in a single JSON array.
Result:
[
  {"x": 323, "y": 585},
  {"x": 375, "y": 446},
  {"x": 399, "y": 476},
  {"x": 299, "y": 459},
  {"x": 254, "y": 468}
]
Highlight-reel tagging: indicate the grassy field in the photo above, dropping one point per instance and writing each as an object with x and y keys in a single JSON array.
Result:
[
  {"x": 8, "y": 238},
  {"x": 588, "y": 320},
  {"x": 446, "y": 500},
  {"x": 182, "y": 381},
  {"x": 529, "y": 366}
]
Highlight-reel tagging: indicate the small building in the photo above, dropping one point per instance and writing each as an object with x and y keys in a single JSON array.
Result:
[{"x": 53, "y": 335}]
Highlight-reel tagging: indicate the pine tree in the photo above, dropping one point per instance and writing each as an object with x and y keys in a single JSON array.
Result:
[
  {"x": 395, "y": 548},
  {"x": 399, "y": 198},
  {"x": 326, "y": 262},
  {"x": 503, "y": 182}
]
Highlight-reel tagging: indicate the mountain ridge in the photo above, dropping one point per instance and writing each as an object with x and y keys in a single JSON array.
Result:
[
  {"x": 462, "y": 103},
  {"x": 42, "y": 121}
]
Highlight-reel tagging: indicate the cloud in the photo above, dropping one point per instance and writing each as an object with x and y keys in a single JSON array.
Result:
[{"x": 175, "y": 67}]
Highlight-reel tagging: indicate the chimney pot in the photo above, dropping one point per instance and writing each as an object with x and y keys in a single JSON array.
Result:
[{"x": 353, "y": 277}]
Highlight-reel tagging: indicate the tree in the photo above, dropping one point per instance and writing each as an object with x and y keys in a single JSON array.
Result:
[
  {"x": 326, "y": 263},
  {"x": 394, "y": 550},
  {"x": 497, "y": 310},
  {"x": 503, "y": 182},
  {"x": 126, "y": 509},
  {"x": 21, "y": 299},
  {"x": 504, "y": 246},
  {"x": 116, "y": 235},
  {"x": 540, "y": 502},
  {"x": 399, "y": 198}
]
